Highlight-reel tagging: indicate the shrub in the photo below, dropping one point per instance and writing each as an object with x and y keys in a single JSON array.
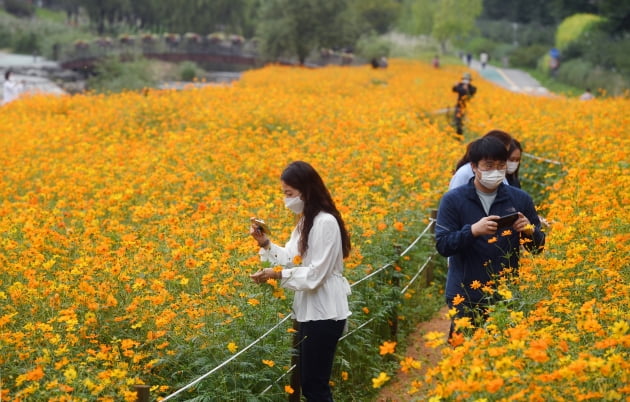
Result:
[
  {"x": 19, "y": 8},
  {"x": 479, "y": 44},
  {"x": 371, "y": 46},
  {"x": 26, "y": 42},
  {"x": 528, "y": 56},
  {"x": 188, "y": 71},
  {"x": 583, "y": 74},
  {"x": 573, "y": 27},
  {"x": 112, "y": 75}
]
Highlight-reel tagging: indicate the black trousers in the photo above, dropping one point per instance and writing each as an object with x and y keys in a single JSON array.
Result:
[{"x": 318, "y": 341}]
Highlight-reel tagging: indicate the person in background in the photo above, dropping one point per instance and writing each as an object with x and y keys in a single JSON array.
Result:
[
  {"x": 587, "y": 95},
  {"x": 436, "y": 61},
  {"x": 465, "y": 91},
  {"x": 468, "y": 233},
  {"x": 514, "y": 163},
  {"x": 312, "y": 263},
  {"x": 483, "y": 58},
  {"x": 11, "y": 89},
  {"x": 464, "y": 171}
]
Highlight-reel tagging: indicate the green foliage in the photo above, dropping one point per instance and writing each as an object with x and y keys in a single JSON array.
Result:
[
  {"x": 478, "y": 45},
  {"x": 27, "y": 42},
  {"x": 379, "y": 15},
  {"x": 527, "y": 57},
  {"x": 298, "y": 27},
  {"x": 112, "y": 75},
  {"x": 416, "y": 17},
  {"x": 373, "y": 46},
  {"x": 455, "y": 19},
  {"x": 583, "y": 74},
  {"x": 516, "y": 33},
  {"x": 188, "y": 71},
  {"x": 575, "y": 26},
  {"x": 19, "y": 8}
]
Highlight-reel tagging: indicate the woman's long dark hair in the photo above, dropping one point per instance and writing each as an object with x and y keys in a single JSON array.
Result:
[
  {"x": 304, "y": 178},
  {"x": 513, "y": 177}
]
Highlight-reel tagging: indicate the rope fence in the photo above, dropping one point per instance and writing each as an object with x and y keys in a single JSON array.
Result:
[{"x": 142, "y": 390}]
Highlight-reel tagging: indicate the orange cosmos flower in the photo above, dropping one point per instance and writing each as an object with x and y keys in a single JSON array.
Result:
[
  {"x": 475, "y": 284},
  {"x": 506, "y": 232},
  {"x": 387, "y": 347},
  {"x": 458, "y": 300},
  {"x": 269, "y": 363},
  {"x": 297, "y": 260},
  {"x": 399, "y": 226},
  {"x": 288, "y": 389},
  {"x": 493, "y": 239}
]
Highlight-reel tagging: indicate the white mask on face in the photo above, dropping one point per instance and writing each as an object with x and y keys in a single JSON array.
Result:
[
  {"x": 492, "y": 178},
  {"x": 295, "y": 204},
  {"x": 512, "y": 166}
]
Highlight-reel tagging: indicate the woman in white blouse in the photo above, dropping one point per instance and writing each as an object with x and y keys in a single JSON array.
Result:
[{"x": 320, "y": 305}]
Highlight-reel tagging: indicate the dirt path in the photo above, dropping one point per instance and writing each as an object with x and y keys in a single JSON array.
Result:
[{"x": 396, "y": 389}]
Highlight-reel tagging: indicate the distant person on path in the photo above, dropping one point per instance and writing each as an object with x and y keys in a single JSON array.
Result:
[
  {"x": 465, "y": 91},
  {"x": 468, "y": 59},
  {"x": 436, "y": 61},
  {"x": 587, "y": 95},
  {"x": 468, "y": 233},
  {"x": 464, "y": 171},
  {"x": 483, "y": 58},
  {"x": 313, "y": 268},
  {"x": 11, "y": 89}
]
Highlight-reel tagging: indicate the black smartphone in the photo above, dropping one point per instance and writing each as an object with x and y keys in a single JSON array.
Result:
[
  {"x": 261, "y": 225},
  {"x": 507, "y": 220}
]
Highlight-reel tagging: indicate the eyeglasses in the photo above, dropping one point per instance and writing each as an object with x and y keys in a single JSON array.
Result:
[{"x": 490, "y": 165}]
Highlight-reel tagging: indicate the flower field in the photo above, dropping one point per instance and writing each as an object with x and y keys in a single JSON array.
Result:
[{"x": 125, "y": 257}]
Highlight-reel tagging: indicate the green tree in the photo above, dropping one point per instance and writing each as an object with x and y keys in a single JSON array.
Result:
[
  {"x": 378, "y": 15},
  {"x": 416, "y": 17},
  {"x": 297, "y": 27},
  {"x": 454, "y": 19}
]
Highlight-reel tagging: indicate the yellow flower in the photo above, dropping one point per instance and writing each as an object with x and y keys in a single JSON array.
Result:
[
  {"x": 344, "y": 375},
  {"x": 399, "y": 226},
  {"x": 380, "y": 380},
  {"x": 409, "y": 363},
  {"x": 506, "y": 232},
  {"x": 269, "y": 363},
  {"x": 387, "y": 348},
  {"x": 297, "y": 260},
  {"x": 253, "y": 302},
  {"x": 365, "y": 310},
  {"x": 475, "y": 284},
  {"x": 232, "y": 347},
  {"x": 493, "y": 239},
  {"x": 288, "y": 389}
]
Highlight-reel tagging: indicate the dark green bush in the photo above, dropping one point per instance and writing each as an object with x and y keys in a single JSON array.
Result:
[
  {"x": 113, "y": 75},
  {"x": 188, "y": 71},
  {"x": 26, "y": 42},
  {"x": 6, "y": 38},
  {"x": 19, "y": 8},
  {"x": 527, "y": 56},
  {"x": 583, "y": 74},
  {"x": 478, "y": 45}
]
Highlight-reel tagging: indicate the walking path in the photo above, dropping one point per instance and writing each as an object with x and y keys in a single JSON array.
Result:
[
  {"x": 31, "y": 71},
  {"x": 510, "y": 78}
]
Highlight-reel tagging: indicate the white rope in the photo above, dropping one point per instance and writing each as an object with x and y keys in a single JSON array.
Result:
[
  {"x": 402, "y": 292},
  {"x": 278, "y": 379},
  {"x": 228, "y": 360},
  {"x": 542, "y": 159},
  {"x": 288, "y": 316}
]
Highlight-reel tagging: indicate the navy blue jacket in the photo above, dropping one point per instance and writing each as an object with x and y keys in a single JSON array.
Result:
[{"x": 473, "y": 258}]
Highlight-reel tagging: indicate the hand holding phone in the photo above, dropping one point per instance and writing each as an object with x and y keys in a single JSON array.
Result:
[
  {"x": 506, "y": 221},
  {"x": 261, "y": 225}
]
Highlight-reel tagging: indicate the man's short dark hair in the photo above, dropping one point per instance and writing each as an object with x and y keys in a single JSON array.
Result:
[{"x": 487, "y": 148}]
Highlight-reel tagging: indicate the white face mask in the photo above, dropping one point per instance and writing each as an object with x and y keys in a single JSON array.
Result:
[
  {"x": 512, "y": 166},
  {"x": 492, "y": 178},
  {"x": 295, "y": 204}
]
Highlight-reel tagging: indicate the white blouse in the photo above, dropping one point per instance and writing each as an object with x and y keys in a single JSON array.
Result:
[{"x": 321, "y": 290}]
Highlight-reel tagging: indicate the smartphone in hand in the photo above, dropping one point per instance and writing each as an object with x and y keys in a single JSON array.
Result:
[
  {"x": 261, "y": 225},
  {"x": 506, "y": 221}
]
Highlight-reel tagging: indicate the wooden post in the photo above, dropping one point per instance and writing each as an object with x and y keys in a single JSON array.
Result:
[
  {"x": 142, "y": 392},
  {"x": 295, "y": 360},
  {"x": 429, "y": 274}
]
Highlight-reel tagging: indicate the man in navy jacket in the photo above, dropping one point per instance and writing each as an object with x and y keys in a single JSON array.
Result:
[{"x": 468, "y": 233}]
